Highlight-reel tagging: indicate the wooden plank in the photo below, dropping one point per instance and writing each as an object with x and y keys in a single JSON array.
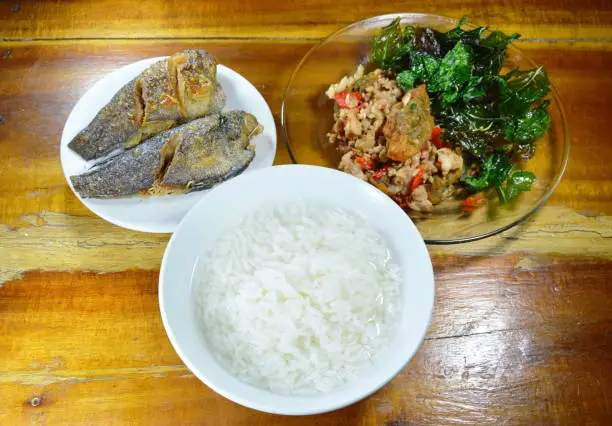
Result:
[
  {"x": 502, "y": 345},
  {"x": 521, "y": 335},
  {"x": 544, "y": 19},
  {"x": 44, "y": 80},
  {"x": 82, "y": 242}
]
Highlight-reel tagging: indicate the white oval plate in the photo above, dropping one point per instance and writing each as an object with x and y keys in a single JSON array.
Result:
[
  {"x": 159, "y": 214},
  {"x": 223, "y": 209}
]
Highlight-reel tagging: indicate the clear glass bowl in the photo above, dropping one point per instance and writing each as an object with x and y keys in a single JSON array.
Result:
[{"x": 307, "y": 116}]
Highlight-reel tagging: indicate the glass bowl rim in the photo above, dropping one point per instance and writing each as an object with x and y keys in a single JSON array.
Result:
[{"x": 553, "y": 93}]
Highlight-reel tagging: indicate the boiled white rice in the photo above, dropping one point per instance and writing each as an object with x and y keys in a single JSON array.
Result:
[{"x": 297, "y": 299}]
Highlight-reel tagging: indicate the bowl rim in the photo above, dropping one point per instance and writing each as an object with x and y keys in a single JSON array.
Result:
[
  {"x": 553, "y": 93},
  {"x": 320, "y": 402}
]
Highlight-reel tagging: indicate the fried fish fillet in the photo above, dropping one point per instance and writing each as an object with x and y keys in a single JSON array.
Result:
[
  {"x": 168, "y": 93},
  {"x": 194, "y": 156},
  {"x": 203, "y": 159}
]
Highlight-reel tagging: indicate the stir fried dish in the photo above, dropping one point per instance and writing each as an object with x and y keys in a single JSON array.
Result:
[{"x": 435, "y": 116}]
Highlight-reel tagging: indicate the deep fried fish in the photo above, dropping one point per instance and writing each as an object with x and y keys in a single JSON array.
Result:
[
  {"x": 168, "y": 93},
  {"x": 194, "y": 156},
  {"x": 204, "y": 159}
]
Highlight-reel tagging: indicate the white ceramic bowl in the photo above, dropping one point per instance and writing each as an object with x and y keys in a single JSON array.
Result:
[{"x": 223, "y": 208}]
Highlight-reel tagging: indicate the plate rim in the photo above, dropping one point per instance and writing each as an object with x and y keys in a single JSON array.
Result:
[
  {"x": 117, "y": 221},
  {"x": 416, "y": 15}
]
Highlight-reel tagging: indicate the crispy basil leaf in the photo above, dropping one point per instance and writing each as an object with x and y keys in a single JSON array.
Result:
[
  {"x": 529, "y": 127},
  {"x": 423, "y": 65},
  {"x": 478, "y": 108},
  {"x": 474, "y": 127},
  {"x": 452, "y": 37},
  {"x": 406, "y": 79},
  {"x": 494, "y": 172},
  {"x": 427, "y": 41},
  {"x": 490, "y": 53},
  {"x": 455, "y": 69},
  {"x": 476, "y": 89},
  {"x": 392, "y": 45},
  {"x": 476, "y": 144},
  {"x": 520, "y": 181},
  {"x": 521, "y": 89},
  {"x": 497, "y": 39}
]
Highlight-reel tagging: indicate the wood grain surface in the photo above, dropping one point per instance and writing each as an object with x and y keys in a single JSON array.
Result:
[
  {"x": 522, "y": 329},
  {"x": 542, "y": 19}
]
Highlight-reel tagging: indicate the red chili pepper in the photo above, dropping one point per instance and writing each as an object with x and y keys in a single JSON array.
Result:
[
  {"x": 470, "y": 203},
  {"x": 436, "y": 131},
  {"x": 401, "y": 201},
  {"x": 355, "y": 98},
  {"x": 474, "y": 201},
  {"x": 417, "y": 180},
  {"x": 435, "y": 138},
  {"x": 380, "y": 172},
  {"x": 365, "y": 163}
]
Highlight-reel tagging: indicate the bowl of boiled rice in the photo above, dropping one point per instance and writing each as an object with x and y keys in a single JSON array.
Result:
[{"x": 296, "y": 289}]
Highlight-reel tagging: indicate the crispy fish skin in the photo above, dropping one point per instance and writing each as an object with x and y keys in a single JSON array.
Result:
[
  {"x": 194, "y": 74},
  {"x": 204, "y": 159},
  {"x": 166, "y": 94},
  {"x": 181, "y": 88},
  {"x": 115, "y": 123},
  {"x": 124, "y": 174},
  {"x": 194, "y": 156}
]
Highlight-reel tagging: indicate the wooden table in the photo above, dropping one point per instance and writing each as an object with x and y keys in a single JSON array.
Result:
[{"x": 522, "y": 330}]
